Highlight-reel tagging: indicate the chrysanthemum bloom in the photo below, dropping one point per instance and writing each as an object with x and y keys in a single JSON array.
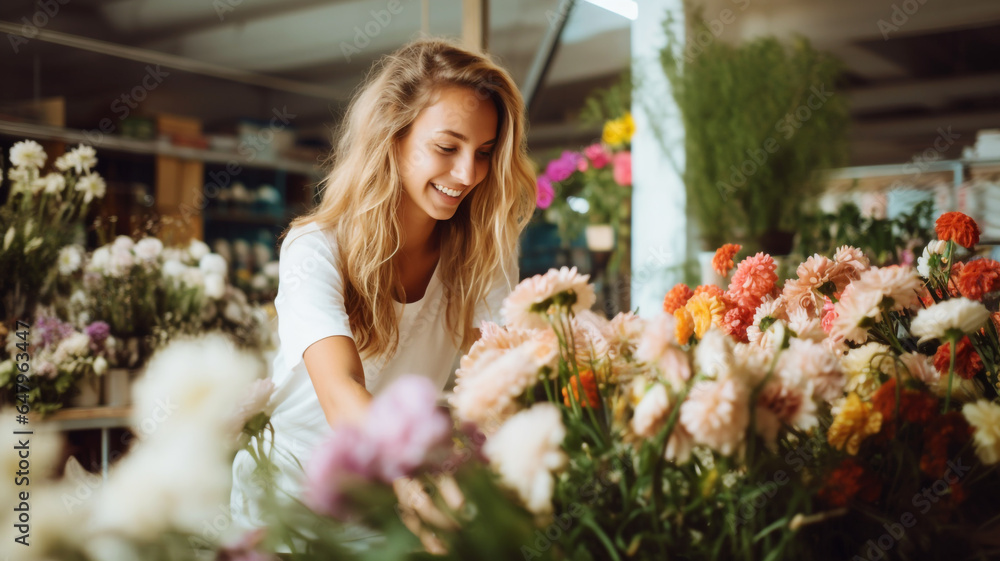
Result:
[
  {"x": 651, "y": 412},
  {"x": 856, "y": 312},
  {"x": 849, "y": 480},
  {"x": 658, "y": 347},
  {"x": 684, "y": 326},
  {"x": 753, "y": 280},
  {"x": 706, "y": 311},
  {"x": 933, "y": 255},
  {"x": 711, "y": 290},
  {"x": 736, "y": 321},
  {"x": 722, "y": 261},
  {"x": 530, "y": 301},
  {"x": 494, "y": 342},
  {"x": 592, "y": 397},
  {"x": 968, "y": 363},
  {"x": 984, "y": 416},
  {"x": 624, "y": 332},
  {"x": 865, "y": 366},
  {"x": 944, "y": 437},
  {"x": 854, "y": 421},
  {"x": 957, "y": 227},
  {"x": 979, "y": 277},
  {"x": 676, "y": 297},
  {"x": 780, "y": 402},
  {"x": 850, "y": 263},
  {"x": 954, "y": 317},
  {"x": 813, "y": 364},
  {"x": 769, "y": 311},
  {"x": 717, "y": 413},
  {"x": 805, "y": 326},
  {"x": 526, "y": 451},
  {"x": 591, "y": 345},
  {"x": 807, "y": 291},
  {"x": 900, "y": 287},
  {"x": 915, "y": 407}
]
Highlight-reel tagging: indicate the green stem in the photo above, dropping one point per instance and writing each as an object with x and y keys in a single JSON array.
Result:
[{"x": 951, "y": 372}]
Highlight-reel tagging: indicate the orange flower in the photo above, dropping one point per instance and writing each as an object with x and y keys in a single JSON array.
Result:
[
  {"x": 849, "y": 480},
  {"x": 685, "y": 325},
  {"x": 676, "y": 297},
  {"x": 736, "y": 322},
  {"x": 705, "y": 311},
  {"x": 968, "y": 363},
  {"x": 589, "y": 383},
  {"x": 855, "y": 421},
  {"x": 711, "y": 290},
  {"x": 722, "y": 262},
  {"x": 944, "y": 437},
  {"x": 978, "y": 277},
  {"x": 957, "y": 227},
  {"x": 915, "y": 406}
]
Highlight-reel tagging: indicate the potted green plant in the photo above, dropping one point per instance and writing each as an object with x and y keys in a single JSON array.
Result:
[{"x": 760, "y": 118}]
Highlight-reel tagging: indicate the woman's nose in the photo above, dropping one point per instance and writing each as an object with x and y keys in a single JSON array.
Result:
[{"x": 465, "y": 169}]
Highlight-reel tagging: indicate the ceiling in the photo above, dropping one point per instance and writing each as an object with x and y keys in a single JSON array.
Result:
[{"x": 940, "y": 68}]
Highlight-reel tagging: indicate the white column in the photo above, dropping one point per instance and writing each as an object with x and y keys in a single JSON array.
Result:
[{"x": 660, "y": 229}]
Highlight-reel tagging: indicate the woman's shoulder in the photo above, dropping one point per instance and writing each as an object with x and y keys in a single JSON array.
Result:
[{"x": 310, "y": 236}]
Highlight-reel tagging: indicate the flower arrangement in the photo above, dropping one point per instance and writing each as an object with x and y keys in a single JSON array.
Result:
[
  {"x": 590, "y": 186},
  {"x": 40, "y": 216}
]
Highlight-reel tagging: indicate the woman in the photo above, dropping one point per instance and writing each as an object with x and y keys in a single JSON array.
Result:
[{"x": 413, "y": 245}]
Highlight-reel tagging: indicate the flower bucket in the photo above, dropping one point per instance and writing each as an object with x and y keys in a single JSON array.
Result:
[
  {"x": 118, "y": 387},
  {"x": 89, "y": 392}
]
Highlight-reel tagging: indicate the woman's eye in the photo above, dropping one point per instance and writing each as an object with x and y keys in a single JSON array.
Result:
[
  {"x": 485, "y": 155},
  {"x": 446, "y": 149}
]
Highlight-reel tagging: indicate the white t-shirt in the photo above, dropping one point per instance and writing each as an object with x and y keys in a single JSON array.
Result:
[{"x": 310, "y": 306}]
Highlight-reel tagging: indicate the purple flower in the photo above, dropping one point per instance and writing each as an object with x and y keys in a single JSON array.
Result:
[
  {"x": 545, "y": 192},
  {"x": 50, "y": 330},
  {"x": 561, "y": 168},
  {"x": 98, "y": 331},
  {"x": 403, "y": 432}
]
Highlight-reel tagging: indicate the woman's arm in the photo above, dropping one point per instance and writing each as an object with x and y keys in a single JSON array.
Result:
[{"x": 338, "y": 377}]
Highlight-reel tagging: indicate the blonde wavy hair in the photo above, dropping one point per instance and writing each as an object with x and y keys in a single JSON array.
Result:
[{"x": 363, "y": 190}]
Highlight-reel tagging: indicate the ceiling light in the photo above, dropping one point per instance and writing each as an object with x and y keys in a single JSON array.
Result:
[{"x": 626, "y": 8}]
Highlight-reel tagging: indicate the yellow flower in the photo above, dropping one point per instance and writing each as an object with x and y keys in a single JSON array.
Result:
[
  {"x": 619, "y": 131},
  {"x": 685, "y": 325},
  {"x": 705, "y": 310},
  {"x": 854, "y": 422}
]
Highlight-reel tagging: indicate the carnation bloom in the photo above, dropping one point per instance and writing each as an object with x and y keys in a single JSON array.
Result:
[
  {"x": 957, "y": 316},
  {"x": 526, "y": 451},
  {"x": 753, "y": 280},
  {"x": 562, "y": 167},
  {"x": 849, "y": 480},
  {"x": 978, "y": 277},
  {"x": 716, "y": 413},
  {"x": 622, "y": 168},
  {"x": 597, "y": 154},
  {"x": 736, "y": 321},
  {"x": 915, "y": 406},
  {"x": 545, "y": 194},
  {"x": 69, "y": 260},
  {"x": 92, "y": 186},
  {"x": 957, "y": 227},
  {"x": 814, "y": 365},
  {"x": 676, "y": 297},
  {"x": 984, "y": 416},
  {"x": 829, "y": 315},
  {"x": 944, "y": 436},
  {"x": 900, "y": 287},
  {"x": 706, "y": 311},
  {"x": 864, "y": 367},
  {"x": 590, "y": 398},
  {"x": 27, "y": 153},
  {"x": 658, "y": 347},
  {"x": 921, "y": 367},
  {"x": 968, "y": 363},
  {"x": 854, "y": 421},
  {"x": 804, "y": 292},
  {"x": 856, "y": 311},
  {"x": 528, "y": 303},
  {"x": 722, "y": 262},
  {"x": 651, "y": 412}
]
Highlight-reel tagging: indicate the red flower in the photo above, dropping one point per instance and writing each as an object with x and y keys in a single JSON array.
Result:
[
  {"x": 957, "y": 227},
  {"x": 712, "y": 290},
  {"x": 722, "y": 262},
  {"x": 915, "y": 406},
  {"x": 849, "y": 480},
  {"x": 736, "y": 321},
  {"x": 977, "y": 278},
  {"x": 968, "y": 363},
  {"x": 589, "y": 383},
  {"x": 944, "y": 438},
  {"x": 676, "y": 297},
  {"x": 754, "y": 279}
]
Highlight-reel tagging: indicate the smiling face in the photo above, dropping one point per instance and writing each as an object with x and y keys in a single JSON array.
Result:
[{"x": 447, "y": 152}]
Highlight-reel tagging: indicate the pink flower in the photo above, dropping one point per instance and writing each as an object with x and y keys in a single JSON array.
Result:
[
  {"x": 716, "y": 414},
  {"x": 829, "y": 315},
  {"x": 597, "y": 155},
  {"x": 850, "y": 263},
  {"x": 622, "y": 172},
  {"x": 582, "y": 165},
  {"x": 900, "y": 287},
  {"x": 545, "y": 193},
  {"x": 753, "y": 280},
  {"x": 346, "y": 459},
  {"x": 527, "y": 305},
  {"x": 856, "y": 311}
]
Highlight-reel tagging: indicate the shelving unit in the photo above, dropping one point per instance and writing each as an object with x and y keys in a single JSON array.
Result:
[{"x": 89, "y": 418}]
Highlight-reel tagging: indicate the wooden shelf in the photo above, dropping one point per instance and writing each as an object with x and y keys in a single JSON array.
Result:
[
  {"x": 82, "y": 418},
  {"x": 151, "y": 147}
]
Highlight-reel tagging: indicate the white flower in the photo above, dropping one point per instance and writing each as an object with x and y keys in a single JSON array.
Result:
[
  {"x": 256, "y": 399},
  {"x": 148, "y": 249},
  {"x": 69, "y": 260},
  {"x": 100, "y": 365},
  {"x": 713, "y": 356},
  {"x": 123, "y": 243},
  {"x": 271, "y": 269},
  {"x": 20, "y": 178},
  {"x": 259, "y": 282},
  {"x": 717, "y": 413},
  {"x": 864, "y": 367},
  {"x": 173, "y": 268},
  {"x": 100, "y": 260},
  {"x": 198, "y": 249},
  {"x": 27, "y": 154},
  {"x": 85, "y": 158},
  {"x": 936, "y": 247},
  {"x": 77, "y": 344},
  {"x": 651, "y": 412},
  {"x": 215, "y": 286},
  {"x": 984, "y": 416},
  {"x": 921, "y": 367},
  {"x": 526, "y": 451},
  {"x": 93, "y": 187},
  {"x": 121, "y": 261},
  {"x": 193, "y": 277},
  {"x": 8, "y": 238},
  {"x": 521, "y": 307},
  {"x": 52, "y": 183},
  {"x": 951, "y": 317},
  {"x": 658, "y": 347},
  {"x": 213, "y": 264}
]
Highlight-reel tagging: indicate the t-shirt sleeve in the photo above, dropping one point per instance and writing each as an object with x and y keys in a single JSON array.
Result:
[
  {"x": 310, "y": 301},
  {"x": 502, "y": 286}
]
